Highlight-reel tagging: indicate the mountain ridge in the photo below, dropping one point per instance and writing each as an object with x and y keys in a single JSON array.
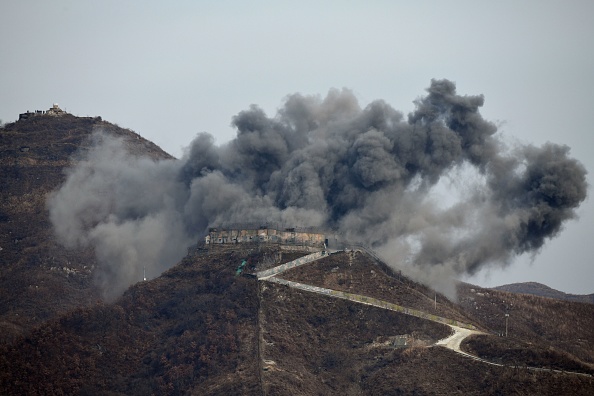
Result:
[
  {"x": 41, "y": 279},
  {"x": 542, "y": 290}
]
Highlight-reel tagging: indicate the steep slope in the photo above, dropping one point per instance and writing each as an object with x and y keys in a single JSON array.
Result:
[
  {"x": 437, "y": 371},
  {"x": 320, "y": 345},
  {"x": 538, "y": 289},
  {"x": 38, "y": 278},
  {"x": 545, "y": 323},
  {"x": 192, "y": 328},
  {"x": 200, "y": 329},
  {"x": 358, "y": 272}
]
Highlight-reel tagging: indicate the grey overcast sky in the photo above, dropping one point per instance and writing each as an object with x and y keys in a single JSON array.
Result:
[{"x": 169, "y": 70}]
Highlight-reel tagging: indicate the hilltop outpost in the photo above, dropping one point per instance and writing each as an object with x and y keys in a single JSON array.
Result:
[
  {"x": 55, "y": 111},
  {"x": 265, "y": 234}
]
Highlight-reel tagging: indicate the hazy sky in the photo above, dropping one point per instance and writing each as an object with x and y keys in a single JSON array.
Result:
[{"x": 171, "y": 70}]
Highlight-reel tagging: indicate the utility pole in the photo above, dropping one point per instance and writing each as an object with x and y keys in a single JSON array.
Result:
[{"x": 506, "y": 317}]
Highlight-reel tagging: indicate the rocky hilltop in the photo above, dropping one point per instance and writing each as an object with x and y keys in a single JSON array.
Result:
[{"x": 39, "y": 279}]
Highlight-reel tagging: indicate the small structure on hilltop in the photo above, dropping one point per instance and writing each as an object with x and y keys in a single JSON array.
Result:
[
  {"x": 54, "y": 111},
  {"x": 287, "y": 236}
]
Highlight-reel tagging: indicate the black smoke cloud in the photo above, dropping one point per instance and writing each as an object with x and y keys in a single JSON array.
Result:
[{"x": 368, "y": 173}]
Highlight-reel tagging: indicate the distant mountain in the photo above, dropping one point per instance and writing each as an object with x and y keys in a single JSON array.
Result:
[{"x": 538, "y": 289}]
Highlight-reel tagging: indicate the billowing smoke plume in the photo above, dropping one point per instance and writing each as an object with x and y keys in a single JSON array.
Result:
[{"x": 369, "y": 174}]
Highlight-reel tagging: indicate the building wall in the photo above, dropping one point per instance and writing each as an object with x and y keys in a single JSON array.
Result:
[{"x": 264, "y": 235}]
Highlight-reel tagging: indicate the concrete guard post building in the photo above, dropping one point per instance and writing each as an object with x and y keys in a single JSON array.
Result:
[
  {"x": 265, "y": 234},
  {"x": 55, "y": 111}
]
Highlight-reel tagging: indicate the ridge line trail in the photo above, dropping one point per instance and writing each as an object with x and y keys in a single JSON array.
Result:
[
  {"x": 270, "y": 275},
  {"x": 460, "y": 330}
]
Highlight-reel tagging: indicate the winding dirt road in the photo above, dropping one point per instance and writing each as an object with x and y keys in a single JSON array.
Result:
[{"x": 452, "y": 342}]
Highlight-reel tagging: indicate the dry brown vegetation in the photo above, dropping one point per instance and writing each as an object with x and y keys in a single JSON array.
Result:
[
  {"x": 39, "y": 279},
  {"x": 356, "y": 272},
  {"x": 543, "y": 322},
  {"x": 439, "y": 371},
  {"x": 321, "y": 345},
  {"x": 199, "y": 329},
  {"x": 513, "y": 352},
  {"x": 194, "y": 327}
]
